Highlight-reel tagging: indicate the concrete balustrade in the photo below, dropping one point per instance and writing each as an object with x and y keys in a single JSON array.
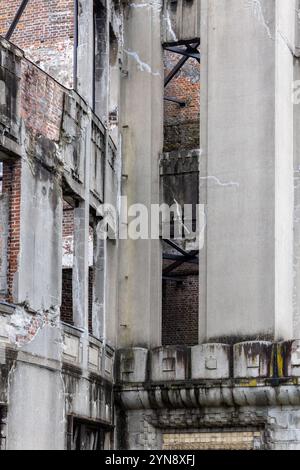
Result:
[
  {"x": 210, "y": 361},
  {"x": 252, "y": 359}
]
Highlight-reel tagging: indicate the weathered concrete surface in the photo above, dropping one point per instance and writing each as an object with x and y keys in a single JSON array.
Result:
[
  {"x": 278, "y": 429},
  {"x": 37, "y": 281},
  {"x": 50, "y": 371},
  {"x": 142, "y": 113},
  {"x": 210, "y": 361},
  {"x": 296, "y": 292},
  {"x": 252, "y": 359},
  {"x": 85, "y": 51},
  {"x": 181, "y": 20},
  {"x": 247, "y": 170},
  {"x": 48, "y": 374},
  {"x": 36, "y": 399}
]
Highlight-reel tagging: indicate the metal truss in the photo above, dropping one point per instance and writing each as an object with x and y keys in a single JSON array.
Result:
[
  {"x": 16, "y": 19},
  {"x": 188, "y": 51},
  {"x": 183, "y": 257}
]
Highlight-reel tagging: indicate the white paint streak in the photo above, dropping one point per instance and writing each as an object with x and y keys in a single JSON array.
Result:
[
  {"x": 21, "y": 322},
  {"x": 142, "y": 66},
  {"x": 257, "y": 10},
  {"x": 286, "y": 42},
  {"x": 154, "y": 5},
  {"x": 179, "y": 214},
  {"x": 169, "y": 26},
  {"x": 219, "y": 182}
]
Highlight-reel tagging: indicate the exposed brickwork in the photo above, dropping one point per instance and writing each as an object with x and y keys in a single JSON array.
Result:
[
  {"x": 68, "y": 220},
  {"x": 45, "y": 32},
  {"x": 66, "y": 310},
  {"x": 67, "y": 302},
  {"x": 90, "y": 299},
  {"x": 31, "y": 324},
  {"x": 41, "y": 102},
  {"x": 11, "y": 186},
  {"x": 181, "y": 132},
  {"x": 180, "y": 310},
  {"x": 182, "y": 123}
]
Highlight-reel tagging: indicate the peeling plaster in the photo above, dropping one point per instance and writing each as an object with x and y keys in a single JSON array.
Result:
[{"x": 23, "y": 327}]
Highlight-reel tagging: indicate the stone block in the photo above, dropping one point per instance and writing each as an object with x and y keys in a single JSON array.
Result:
[
  {"x": 252, "y": 359},
  {"x": 132, "y": 365},
  {"x": 170, "y": 363},
  {"x": 210, "y": 361}
]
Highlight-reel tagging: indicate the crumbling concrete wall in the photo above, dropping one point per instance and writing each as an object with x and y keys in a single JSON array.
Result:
[
  {"x": 250, "y": 387},
  {"x": 249, "y": 428},
  {"x": 47, "y": 146}
]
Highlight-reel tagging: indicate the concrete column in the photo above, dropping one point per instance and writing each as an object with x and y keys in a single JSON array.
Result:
[
  {"x": 296, "y": 99},
  {"x": 81, "y": 244},
  {"x": 142, "y": 126},
  {"x": 246, "y": 275},
  {"x": 80, "y": 267},
  {"x": 85, "y": 51},
  {"x": 99, "y": 282}
]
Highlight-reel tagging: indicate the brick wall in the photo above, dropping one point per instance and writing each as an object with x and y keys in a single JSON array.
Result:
[
  {"x": 181, "y": 124},
  {"x": 66, "y": 310},
  {"x": 11, "y": 186},
  {"x": 45, "y": 32},
  {"x": 181, "y": 132},
  {"x": 180, "y": 310},
  {"x": 68, "y": 220},
  {"x": 41, "y": 102}
]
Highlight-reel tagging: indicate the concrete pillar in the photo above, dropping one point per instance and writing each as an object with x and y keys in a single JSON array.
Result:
[
  {"x": 99, "y": 280},
  {"x": 142, "y": 126},
  {"x": 80, "y": 267},
  {"x": 81, "y": 244},
  {"x": 85, "y": 51},
  {"x": 246, "y": 274},
  {"x": 296, "y": 100}
]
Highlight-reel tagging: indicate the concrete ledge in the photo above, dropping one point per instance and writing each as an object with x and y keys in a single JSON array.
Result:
[
  {"x": 256, "y": 361},
  {"x": 210, "y": 361},
  {"x": 181, "y": 397},
  {"x": 252, "y": 359}
]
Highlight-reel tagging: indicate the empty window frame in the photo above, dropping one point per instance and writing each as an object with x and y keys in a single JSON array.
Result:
[
  {"x": 88, "y": 435},
  {"x": 180, "y": 186}
]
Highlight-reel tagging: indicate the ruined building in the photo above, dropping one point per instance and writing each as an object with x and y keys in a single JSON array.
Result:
[{"x": 154, "y": 342}]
